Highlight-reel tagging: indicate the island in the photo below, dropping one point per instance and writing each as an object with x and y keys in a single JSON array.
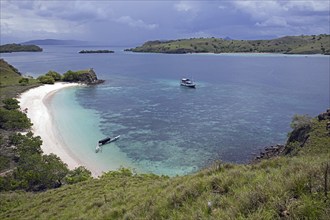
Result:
[
  {"x": 9, "y": 48},
  {"x": 96, "y": 51},
  {"x": 55, "y": 42},
  {"x": 304, "y": 44}
]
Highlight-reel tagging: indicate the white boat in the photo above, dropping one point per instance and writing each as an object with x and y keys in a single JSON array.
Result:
[
  {"x": 104, "y": 141},
  {"x": 188, "y": 83}
]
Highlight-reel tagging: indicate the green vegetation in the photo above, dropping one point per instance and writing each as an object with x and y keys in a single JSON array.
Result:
[
  {"x": 96, "y": 51},
  {"x": 50, "y": 78},
  {"x": 10, "y": 104},
  {"x": 46, "y": 79},
  {"x": 85, "y": 76},
  {"x": 12, "y": 82},
  {"x": 9, "y": 48},
  {"x": 293, "y": 187},
  {"x": 22, "y": 165},
  {"x": 11, "y": 119},
  {"x": 55, "y": 75},
  {"x": 313, "y": 44}
]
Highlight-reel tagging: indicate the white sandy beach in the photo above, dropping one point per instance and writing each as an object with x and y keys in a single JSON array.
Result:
[{"x": 35, "y": 101}]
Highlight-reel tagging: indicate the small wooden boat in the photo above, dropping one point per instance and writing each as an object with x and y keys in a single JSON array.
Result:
[{"x": 104, "y": 141}]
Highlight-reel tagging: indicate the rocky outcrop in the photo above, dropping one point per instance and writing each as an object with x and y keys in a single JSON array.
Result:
[
  {"x": 271, "y": 151},
  {"x": 83, "y": 76},
  {"x": 324, "y": 115},
  {"x": 89, "y": 77}
]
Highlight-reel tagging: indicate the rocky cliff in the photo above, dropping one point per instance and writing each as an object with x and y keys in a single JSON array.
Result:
[{"x": 83, "y": 76}]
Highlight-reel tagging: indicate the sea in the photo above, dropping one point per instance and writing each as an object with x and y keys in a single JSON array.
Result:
[{"x": 241, "y": 104}]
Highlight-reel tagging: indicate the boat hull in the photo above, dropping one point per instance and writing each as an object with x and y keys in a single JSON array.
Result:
[{"x": 188, "y": 85}]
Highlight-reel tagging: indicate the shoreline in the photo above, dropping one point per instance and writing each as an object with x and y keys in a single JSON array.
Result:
[{"x": 36, "y": 101}]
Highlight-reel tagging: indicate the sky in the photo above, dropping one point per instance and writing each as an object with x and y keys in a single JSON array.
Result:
[{"x": 125, "y": 23}]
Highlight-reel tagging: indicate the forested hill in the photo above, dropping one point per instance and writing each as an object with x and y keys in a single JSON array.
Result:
[
  {"x": 9, "y": 48},
  {"x": 314, "y": 44}
]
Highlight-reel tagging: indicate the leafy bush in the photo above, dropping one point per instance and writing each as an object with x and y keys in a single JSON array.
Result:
[
  {"x": 24, "y": 81},
  {"x": 26, "y": 144},
  {"x": 11, "y": 104},
  {"x": 37, "y": 172},
  {"x": 78, "y": 175},
  {"x": 46, "y": 79},
  {"x": 299, "y": 121},
  {"x": 71, "y": 76},
  {"x": 14, "y": 120},
  {"x": 34, "y": 171},
  {"x": 55, "y": 75}
]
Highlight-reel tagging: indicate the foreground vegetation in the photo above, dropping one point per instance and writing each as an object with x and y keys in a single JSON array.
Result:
[
  {"x": 313, "y": 44},
  {"x": 22, "y": 165},
  {"x": 81, "y": 76},
  {"x": 294, "y": 185},
  {"x": 9, "y": 48}
]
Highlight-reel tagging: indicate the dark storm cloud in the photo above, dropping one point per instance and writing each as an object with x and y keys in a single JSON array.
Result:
[{"x": 129, "y": 22}]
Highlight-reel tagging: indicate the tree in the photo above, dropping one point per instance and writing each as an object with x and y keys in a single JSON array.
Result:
[
  {"x": 78, "y": 175},
  {"x": 70, "y": 76},
  {"x": 46, "y": 79},
  {"x": 26, "y": 144},
  {"x": 37, "y": 172},
  {"x": 299, "y": 121},
  {"x": 55, "y": 75},
  {"x": 14, "y": 120},
  {"x": 24, "y": 81},
  {"x": 10, "y": 103}
]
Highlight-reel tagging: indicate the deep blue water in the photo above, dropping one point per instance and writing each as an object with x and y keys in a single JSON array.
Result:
[{"x": 242, "y": 102}]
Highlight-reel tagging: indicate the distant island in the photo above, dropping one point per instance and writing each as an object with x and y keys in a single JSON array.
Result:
[
  {"x": 96, "y": 51},
  {"x": 9, "y": 48},
  {"x": 54, "y": 42},
  {"x": 313, "y": 44}
]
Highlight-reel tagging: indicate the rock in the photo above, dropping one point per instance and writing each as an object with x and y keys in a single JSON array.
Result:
[
  {"x": 89, "y": 77},
  {"x": 324, "y": 115}
]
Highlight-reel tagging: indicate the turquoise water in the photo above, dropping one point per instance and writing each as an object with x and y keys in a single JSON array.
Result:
[
  {"x": 79, "y": 129},
  {"x": 242, "y": 103}
]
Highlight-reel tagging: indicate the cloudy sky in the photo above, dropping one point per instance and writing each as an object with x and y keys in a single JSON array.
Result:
[{"x": 134, "y": 22}]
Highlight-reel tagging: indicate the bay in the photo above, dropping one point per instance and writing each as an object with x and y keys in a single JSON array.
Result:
[{"x": 242, "y": 103}]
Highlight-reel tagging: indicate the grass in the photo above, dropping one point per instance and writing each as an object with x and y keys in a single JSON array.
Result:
[
  {"x": 290, "y": 45},
  {"x": 282, "y": 187},
  {"x": 9, "y": 82}
]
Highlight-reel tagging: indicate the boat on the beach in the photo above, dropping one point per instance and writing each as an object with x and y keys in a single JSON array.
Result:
[
  {"x": 187, "y": 83},
  {"x": 104, "y": 141}
]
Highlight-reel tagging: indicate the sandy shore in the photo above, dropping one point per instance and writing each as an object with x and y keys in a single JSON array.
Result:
[{"x": 35, "y": 101}]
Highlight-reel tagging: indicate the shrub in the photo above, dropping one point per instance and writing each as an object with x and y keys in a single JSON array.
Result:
[
  {"x": 11, "y": 104},
  {"x": 46, "y": 79},
  {"x": 55, "y": 75},
  {"x": 299, "y": 121},
  {"x": 14, "y": 120},
  {"x": 24, "y": 81},
  {"x": 78, "y": 175},
  {"x": 71, "y": 76}
]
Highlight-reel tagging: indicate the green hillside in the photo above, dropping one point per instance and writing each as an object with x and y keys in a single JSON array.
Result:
[
  {"x": 319, "y": 44},
  {"x": 9, "y": 48},
  {"x": 12, "y": 82},
  {"x": 292, "y": 186}
]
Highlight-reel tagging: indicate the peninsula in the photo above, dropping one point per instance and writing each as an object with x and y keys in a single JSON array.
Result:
[
  {"x": 9, "y": 48},
  {"x": 314, "y": 44}
]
